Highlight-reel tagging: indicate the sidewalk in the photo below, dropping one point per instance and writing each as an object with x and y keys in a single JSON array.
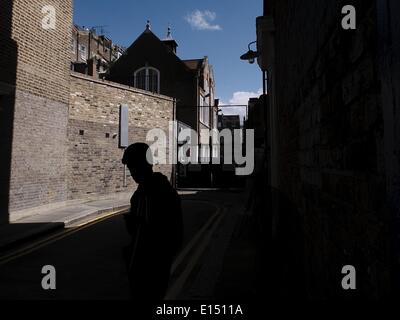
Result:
[
  {"x": 30, "y": 223},
  {"x": 34, "y": 222}
]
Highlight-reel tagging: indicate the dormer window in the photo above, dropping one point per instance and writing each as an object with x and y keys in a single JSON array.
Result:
[{"x": 147, "y": 78}]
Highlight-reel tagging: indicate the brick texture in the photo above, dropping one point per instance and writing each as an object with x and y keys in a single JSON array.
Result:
[
  {"x": 331, "y": 142},
  {"x": 43, "y": 55},
  {"x": 94, "y": 158},
  {"x": 40, "y": 118},
  {"x": 38, "y": 172},
  {"x": 44, "y": 110}
]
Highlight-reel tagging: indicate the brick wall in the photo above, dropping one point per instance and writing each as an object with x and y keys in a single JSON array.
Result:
[
  {"x": 40, "y": 108},
  {"x": 94, "y": 159},
  {"x": 38, "y": 171},
  {"x": 57, "y": 130},
  {"x": 98, "y": 45},
  {"x": 43, "y": 55},
  {"x": 331, "y": 143}
]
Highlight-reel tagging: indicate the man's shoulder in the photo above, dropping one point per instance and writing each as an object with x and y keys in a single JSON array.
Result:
[
  {"x": 136, "y": 194},
  {"x": 162, "y": 187},
  {"x": 159, "y": 180},
  {"x": 159, "y": 176}
]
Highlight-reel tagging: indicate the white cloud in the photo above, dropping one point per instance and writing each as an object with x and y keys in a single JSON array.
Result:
[
  {"x": 202, "y": 20},
  {"x": 239, "y": 98},
  {"x": 242, "y": 97}
]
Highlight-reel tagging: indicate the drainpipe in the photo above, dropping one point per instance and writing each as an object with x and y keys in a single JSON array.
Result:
[
  {"x": 265, "y": 108},
  {"x": 266, "y": 61},
  {"x": 124, "y": 178},
  {"x": 111, "y": 50},
  {"x": 198, "y": 112},
  {"x": 89, "y": 48},
  {"x": 175, "y": 143},
  {"x": 77, "y": 46}
]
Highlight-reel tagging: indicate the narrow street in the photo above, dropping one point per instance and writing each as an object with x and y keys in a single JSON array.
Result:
[
  {"x": 89, "y": 264},
  {"x": 276, "y": 121}
]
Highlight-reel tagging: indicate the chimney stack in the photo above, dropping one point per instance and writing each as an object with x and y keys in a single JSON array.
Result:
[{"x": 92, "y": 70}]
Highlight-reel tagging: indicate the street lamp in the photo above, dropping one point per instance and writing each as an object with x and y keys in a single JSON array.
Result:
[{"x": 250, "y": 55}]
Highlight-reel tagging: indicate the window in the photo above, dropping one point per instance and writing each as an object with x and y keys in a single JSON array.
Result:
[
  {"x": 148, "y": 79},
  {"x": 204, "y": 111},
  {"x": 73, "y": 41},
  {"x": 82, "y": 50},
  {"x": 201, "y": 115},
  {"x": 214, "y": 120}
]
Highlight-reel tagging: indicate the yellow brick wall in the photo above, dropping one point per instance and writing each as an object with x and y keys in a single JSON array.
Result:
[
  {"x": 43, "y": 55},
  {"x": 38, "y": 115}
]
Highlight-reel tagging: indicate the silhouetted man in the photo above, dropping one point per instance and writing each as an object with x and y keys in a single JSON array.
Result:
[{"x": 155, "y": 224}]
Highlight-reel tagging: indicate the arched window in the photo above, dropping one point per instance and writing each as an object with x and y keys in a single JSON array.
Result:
[{"x": 147, "y": 78}]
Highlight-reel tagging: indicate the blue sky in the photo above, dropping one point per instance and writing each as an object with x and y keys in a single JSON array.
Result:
[{"x": 219, "y": 29}]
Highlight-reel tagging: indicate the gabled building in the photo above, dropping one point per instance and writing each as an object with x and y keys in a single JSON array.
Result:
[{"x": 152, "y": 64}]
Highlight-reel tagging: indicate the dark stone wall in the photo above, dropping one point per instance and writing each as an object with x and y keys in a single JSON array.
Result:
[
  {"x": 331, "y": 138},
  {"x": 389, "y": 75}
]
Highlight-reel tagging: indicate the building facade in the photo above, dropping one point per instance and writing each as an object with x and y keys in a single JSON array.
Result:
[
  {"x": 332, "y": 145},
  {"x": 35, "y": 97},
  {"x": 94, "y": 155},
  {"x": 92, "y": 54},
  {"x": 59, "y": 131},
  {"x": 152, "y": 64}
]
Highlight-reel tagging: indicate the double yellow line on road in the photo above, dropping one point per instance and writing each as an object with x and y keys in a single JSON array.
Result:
[
  {"x": 193, "y": 250},
  {"x": 204, "y": 235},
  {"x": 26, "y": 249}
]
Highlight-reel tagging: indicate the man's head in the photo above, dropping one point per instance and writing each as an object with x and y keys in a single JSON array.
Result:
[{"x": 138, "y": 159}]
